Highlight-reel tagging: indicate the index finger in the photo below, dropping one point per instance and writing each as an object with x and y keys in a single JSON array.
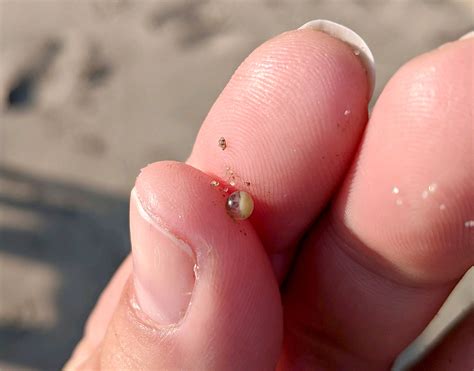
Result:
[{"x": 290, "y": 120}]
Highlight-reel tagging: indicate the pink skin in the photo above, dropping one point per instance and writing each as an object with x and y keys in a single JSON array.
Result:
[
  {"x": 374, "y": 258},
  {"x": 287, "y": 132},
  {"x": 419, "y": 139},
  {"x": 226, "y": 255},
  {"x": 370, "y": 266}
]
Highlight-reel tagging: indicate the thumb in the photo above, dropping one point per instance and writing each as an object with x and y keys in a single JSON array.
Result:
[{"x": 202, "y": 294}]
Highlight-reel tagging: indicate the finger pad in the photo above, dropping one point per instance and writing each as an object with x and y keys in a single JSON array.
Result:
[
  {"x": 412, "y": 188},
  {"x": 292, "y": 116}
]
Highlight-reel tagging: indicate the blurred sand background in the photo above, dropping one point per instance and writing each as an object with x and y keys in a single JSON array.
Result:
[{"x": 91, "y": 91}]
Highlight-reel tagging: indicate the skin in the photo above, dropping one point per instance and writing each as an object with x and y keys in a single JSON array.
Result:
[{"x": 310, "y": 284}]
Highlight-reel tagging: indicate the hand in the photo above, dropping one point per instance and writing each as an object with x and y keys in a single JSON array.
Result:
[{"x": 361, "y": 228}]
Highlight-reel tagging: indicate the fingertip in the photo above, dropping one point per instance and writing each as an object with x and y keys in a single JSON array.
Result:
[
  {"x": 411, "y": 186},
  {"x": 292, "y": 117},
  {"x": 198, "y": 275},
  {"x": 350, "y": 37}
]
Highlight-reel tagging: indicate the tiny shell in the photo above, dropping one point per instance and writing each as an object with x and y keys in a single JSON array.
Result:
[{"x": 239, "y": 205}]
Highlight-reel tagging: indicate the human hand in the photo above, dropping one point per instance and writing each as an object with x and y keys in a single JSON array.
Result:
[{"x": 361, "y": 228}]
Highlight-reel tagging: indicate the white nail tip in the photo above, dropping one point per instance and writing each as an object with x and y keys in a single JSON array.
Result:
[
  {"x": 361, "y": 49},
  {"x": 469, "y": 35}
]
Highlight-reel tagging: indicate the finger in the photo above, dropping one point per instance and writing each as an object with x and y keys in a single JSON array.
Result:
[
  {"x": 202, "y": 295},
  {"x": 98, "y": 321},
  {"x": 291, "y": 116},
  {"x": 397, "y": 239},
  {"x": 329, "y": 63},
  {"x": 455, "y": 350}
]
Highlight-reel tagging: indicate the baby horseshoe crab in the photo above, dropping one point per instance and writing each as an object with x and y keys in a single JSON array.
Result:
[{"x": 239, "y": 205}]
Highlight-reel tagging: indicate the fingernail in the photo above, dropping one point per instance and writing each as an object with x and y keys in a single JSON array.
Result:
[
  {"x": 357, "y": 43},
  {"x": 469, "y": 35},
  {"x": 163, "y": 267}
]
